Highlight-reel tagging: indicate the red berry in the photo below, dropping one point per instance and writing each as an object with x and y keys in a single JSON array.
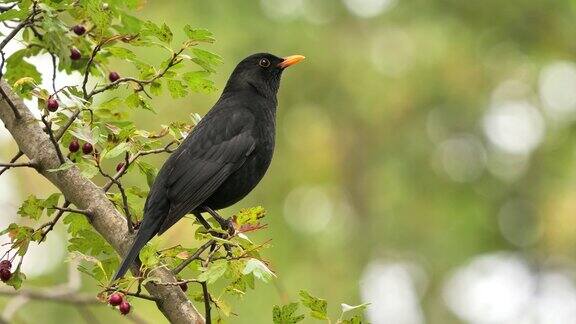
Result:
[
  {"x": 75, "y": 54},
  {"x": 115, "y": 299},
  {"x": 52, "y": 104},
  {"x": 184, "y": 286},
  {"x": 119, "y": 166},
  {"x": 113, "y": 76},
  {"x": 79, "y": 30},
  {"x": 124, "y": 308},
  {"x": 74, "y": 146},
  {"x": 5, "y": 264},
  {"x": 87, "y": 148},
  {"x": 5, "y": 274}
]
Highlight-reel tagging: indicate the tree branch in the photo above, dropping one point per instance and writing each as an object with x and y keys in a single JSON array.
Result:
[
  {"x": 84, "y": 194},
  {"x": 193, "y": 257}
]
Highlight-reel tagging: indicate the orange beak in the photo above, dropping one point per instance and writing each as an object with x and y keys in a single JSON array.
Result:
[{"x": 290, "y": 60}]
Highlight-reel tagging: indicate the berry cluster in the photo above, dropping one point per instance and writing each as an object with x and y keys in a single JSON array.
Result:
[
  {"x": 75, "y": 54},
  {"x": 117, "y": 299},
  {"x": 5, "y": 273},
  {"x": 74, "y": 146}
]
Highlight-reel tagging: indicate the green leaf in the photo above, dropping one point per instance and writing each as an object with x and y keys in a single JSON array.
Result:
[
  {"x": 76, "y": 223},
  {"x": 207, "y": 60},
  {"x": 177, "y": 88},
  {"x": 199, "y": 34},
  {"x": 50, "y": 202},
  {"x": 87, "y": 168},
  {"x": 259, "y": 270},
  {"x": 116, "y": 150},
  {"x": 214, "y": 271},
  {"x": 64, "y": 166},
  {"x": 285, "y": 314},
  {"x": 197, "y": 81},
  {"x": 318, "y": 307},
  {"x": 136, "y": 101},
  {"x": 17, "y": 278},
  {"x": 31, "y": 208},
  {"x": 354, "y": 320},
  {"x": 162, "y": 33},
  {"x": 17, "y": 68},
  {"x": 148, "y": 256},
  {"x": 148, "y": 170},
  {"x": 249, "y": 215},
  {"x": 122, "y": 53}
]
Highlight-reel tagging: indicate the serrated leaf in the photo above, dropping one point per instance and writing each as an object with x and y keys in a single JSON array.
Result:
[
  {"x": 318, "y": 307},
  {"x": 258, "y": 269},
  {"x": 116, "y": 150},
  {"x": 148, "y": 256},
  {"x": 197, "y": 81},
  {"x": 177, "y": 88},
  {"x": 214, "y": 271},
  {"x": 199, "y": 34},
  {"x": 17, "y": 279},
  {"x": 285, "y": 314},
  {"x": 88, "y": 169},
  {"x": 32, "y": 208},
  {"x": 147, "y": 170},
  {"x": 76, "y": 223}
]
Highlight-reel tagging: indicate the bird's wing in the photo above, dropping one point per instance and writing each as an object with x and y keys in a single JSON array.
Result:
[{"x": 217, "y": 148}]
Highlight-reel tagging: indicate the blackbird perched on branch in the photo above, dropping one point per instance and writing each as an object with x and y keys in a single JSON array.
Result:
[{"x": 223, "y": 158}]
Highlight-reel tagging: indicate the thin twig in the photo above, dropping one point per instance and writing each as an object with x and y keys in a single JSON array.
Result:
[
  {"x": 206, "y": 302},
  {"x": 137, "y": 295},
  {"x": 53, "y": 139},
  {"x": 16, "y": 29},
  {"x": 52, "y": 295},
  {"x": 54, "y": 70},
  {"x": 125, "y": 205},
  {"x": 141, "y": 83},
  {"x": 53, "y": 222},
  {"x": 18, "y": 165},
  {"x": 167, "y": 148},
  {"x": 193, "y": 257},
  {"x": 14, "y": 159}
]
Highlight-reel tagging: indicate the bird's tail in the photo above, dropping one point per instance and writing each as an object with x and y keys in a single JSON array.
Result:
[{"x": 145, "y": 234}]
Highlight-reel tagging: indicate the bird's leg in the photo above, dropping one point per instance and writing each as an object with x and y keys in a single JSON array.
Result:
[
  {"x": 202, "y": 221},
  {"x": 226, "y": 224},
  {"x": 207, "y": 226}
]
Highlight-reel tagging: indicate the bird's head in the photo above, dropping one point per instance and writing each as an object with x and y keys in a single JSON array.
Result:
[{"x": 261, "y": 72}]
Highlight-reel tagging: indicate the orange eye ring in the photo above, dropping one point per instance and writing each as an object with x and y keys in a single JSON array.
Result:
[{"x": 264, "y": 63}]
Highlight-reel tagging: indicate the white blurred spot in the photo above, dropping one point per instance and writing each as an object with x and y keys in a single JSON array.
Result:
[
  {"x": 515, "y": 127},
  {"x": 511, "y": 90},
  {"x": 557, "y": 86},
  {"x": 390, "y": 288},
  {"x": 368, "y": 8},
  {"x": 555, "y": 300},
  {"x": 462, "y": 157},
  {"x": 392, "y": 52},
  {"x": 44, "y": 258},
  {"x": 319, "y": 11},
  {"x": 282, "y": 9},
  {"x": 507, "y": 167},
  {"x": 308, "y": 209},
  {"x": 493, "y": 288},
  {"x": 9, "y": 200}
]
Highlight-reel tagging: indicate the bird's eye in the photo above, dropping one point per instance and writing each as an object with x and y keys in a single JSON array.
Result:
[{"x": 264, "y": 63}]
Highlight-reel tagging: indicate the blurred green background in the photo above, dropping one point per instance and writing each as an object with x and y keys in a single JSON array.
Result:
[{"x": 425, "y": 158}]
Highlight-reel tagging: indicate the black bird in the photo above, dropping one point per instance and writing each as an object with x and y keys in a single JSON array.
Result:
[{"x": 223, "y": 158}]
